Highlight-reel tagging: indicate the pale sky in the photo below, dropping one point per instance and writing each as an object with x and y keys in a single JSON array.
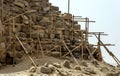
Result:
[{"x": 106, "y": 13}]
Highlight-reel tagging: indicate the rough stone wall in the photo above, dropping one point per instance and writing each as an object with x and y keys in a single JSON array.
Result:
[{"x": 38, "y": 22}]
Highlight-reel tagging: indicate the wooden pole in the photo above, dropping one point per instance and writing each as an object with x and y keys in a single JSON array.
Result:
[
  {"x": 116, "y": 61},
  {"x": 89, "y": 52},
  {"x": 54, "y": 48},
  {"x": 68, "y": 7},
  {"x": 109, "y": 52},
  {"x": 92, "y": 53},
  {"x": 99, "y": 48},
  {"x": 2, "y": 11},
  {"x": 72, "y": 50},
  {"x": 82, "y": 53},
  {"x": 10, "y": 30},
  {"x": 18, "y": 16},
  {"x": 87, "y": 29},
  {"x": 14, "y": 50},
  {"x": 71, "y": 53},
  {"x": 13, "y": 30},
  {"x": 72, "y": 28},
  {"x": 68, "y": 15},
  {"x": 51, "y": 28},
  {"x": 82, "y": 46},
  {"x": 26, "y": 51},
  {"x": 61, "y": 38},
  {"x": 40, "y": 46},
  {"x": 37, "y": 49},
  {"x": 30, "y": 25},
  {"x": 60, "y": 52}
]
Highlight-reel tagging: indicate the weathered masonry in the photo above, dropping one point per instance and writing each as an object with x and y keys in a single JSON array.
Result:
[{"x": 36, "y": 27}]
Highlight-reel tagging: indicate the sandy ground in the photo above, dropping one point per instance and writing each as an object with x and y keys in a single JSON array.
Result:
[
  {"x": 87, "y": 67},
  {"x": 26, "y": 64}
]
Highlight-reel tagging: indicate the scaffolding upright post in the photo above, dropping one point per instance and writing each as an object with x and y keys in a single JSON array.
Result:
[
  {"x": 2, "y": 11},
  {"x": 99, "y": 48},
  {"x": 86, "y": 28},
  {"x": 72, "y": 27},
  {"x": 68, "y": 7},
  {"x": 68, "y": 16}
]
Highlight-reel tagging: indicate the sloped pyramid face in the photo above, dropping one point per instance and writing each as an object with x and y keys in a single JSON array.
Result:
[
  {"x": 42, "y": 28},
  {"x": 38, "y": 14}
]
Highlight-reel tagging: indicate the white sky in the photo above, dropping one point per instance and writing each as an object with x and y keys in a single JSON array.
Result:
[{"x": 106, "y": 13}]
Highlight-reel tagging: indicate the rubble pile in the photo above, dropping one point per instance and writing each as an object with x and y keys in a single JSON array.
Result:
[{"x": 58, "y": 69}]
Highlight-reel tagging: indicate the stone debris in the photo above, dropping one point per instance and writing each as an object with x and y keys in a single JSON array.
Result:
[
  {"x": 57, "y": 65},
  {"x": 32, "y": 69},
  {"x": 66, "y": 64},
  {"x": 113, "y": 74},
  {"x": 62, "y": 73},
  {"x": 83, "y": 63},
  {"x": 51, "y": 67},
  {"x": 55, "y": 54},
  {"x": 51, "y": 70},
  {"x": 46, "y": 70},
  {"x": 19, "y": 3},
  {"x": 77, "y": 67},
  {"x": 89, "y": 71},
  {"x": 104, "y": 69},
  {"x": 46, "y": 64},
  {"x": 95, "y": 62}
]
